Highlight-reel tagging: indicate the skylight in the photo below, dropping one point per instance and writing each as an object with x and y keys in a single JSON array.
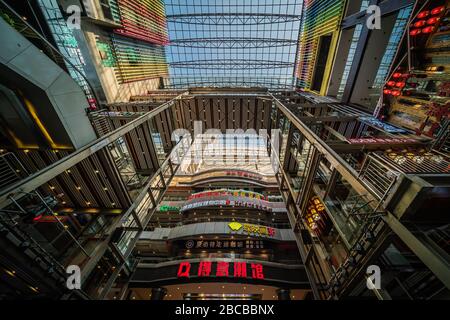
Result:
[{"x": 228, "y": 43}]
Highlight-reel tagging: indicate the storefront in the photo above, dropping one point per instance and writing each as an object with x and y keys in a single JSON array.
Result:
[{"x": 227, "y": 278}]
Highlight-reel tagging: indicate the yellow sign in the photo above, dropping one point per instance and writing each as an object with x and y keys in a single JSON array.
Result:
[
  {"x": 252, "y": 229},
  {"x": 235, "y": 226}
]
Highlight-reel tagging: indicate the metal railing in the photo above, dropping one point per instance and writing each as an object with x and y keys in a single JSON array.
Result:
[
  {"x": 247, "y": 256},
  {"x": 378, "y": 177},
  {"x": 101, "y": 122},
  {"x": 187, "y": 221},
  {"x": 11, "y": 170}
]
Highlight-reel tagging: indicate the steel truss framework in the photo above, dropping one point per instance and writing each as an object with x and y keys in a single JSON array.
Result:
[
  {"x": 232, "y": 43},
  {"x": 258, "y": 31},
  {"x": 248, "y": 82},
  {"x": 223, "y": 19},
  {"x": 231, "y": 64}
]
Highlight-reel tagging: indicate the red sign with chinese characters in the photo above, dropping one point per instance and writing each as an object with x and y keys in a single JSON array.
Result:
[{"x": 222, "y": 269}]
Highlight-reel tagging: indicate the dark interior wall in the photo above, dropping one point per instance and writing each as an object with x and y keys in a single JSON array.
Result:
[
  {"x": 341, "y": 59},
  {"x": 17, "y": 119},
  {"x": 353, "y": 7},
  {"x": 375, "y": 49}
]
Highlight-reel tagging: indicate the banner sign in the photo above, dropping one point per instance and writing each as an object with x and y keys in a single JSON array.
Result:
[
  {"x": 224, "y": 244},
  {"x": 252, "y": 229},
  {"x": 225, "y": 202},
  {"x": 227, "y": 192},
  {"x": 168, "y": 207},
  {"x": 221, "y": 269},
  {"x": 244, "y": 174}
]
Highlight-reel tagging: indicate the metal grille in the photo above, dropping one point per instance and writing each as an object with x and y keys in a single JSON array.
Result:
[
  {"x": 101, "y": 123},
  {"x": 416, "y": 162},
  {"x": 377, "y": 176}
]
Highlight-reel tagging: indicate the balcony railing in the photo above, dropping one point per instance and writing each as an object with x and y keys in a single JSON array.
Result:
[
  {"x": 378, "y": 177},
  {"x": 11, "y": 170},
  {"x": 245, "y": 256}
]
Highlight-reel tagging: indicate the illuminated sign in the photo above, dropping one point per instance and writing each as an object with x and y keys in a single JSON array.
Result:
[
  {"x": 224, "y": 244},
  {"x": 382, "y": 125},
  {"x": 246, "y": 204},
  {"x": 166, "y": 207},
  {"x": 222, "y": 269},
  {"x": 227, "y": 192},
  {"x": 252, "y": 229},
  {"x": 244, "y": 174}
]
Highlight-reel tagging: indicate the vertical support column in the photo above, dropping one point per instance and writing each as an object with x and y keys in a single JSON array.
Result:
[
  {"x": 158, "y": 293},
  {"x": 287, "y": 154},
  {"x": 284, "y": 294},
  {"x": 313, "y": 161}
]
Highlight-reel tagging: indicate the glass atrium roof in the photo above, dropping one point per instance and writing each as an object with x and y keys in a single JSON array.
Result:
[{"x": 227, "y": 43}]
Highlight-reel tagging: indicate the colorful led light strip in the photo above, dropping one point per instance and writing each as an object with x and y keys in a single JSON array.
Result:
[
  {"x": 141, "y": 19},
  {"x": 320, "y": 17},
  {"x": 137, "y": 60}
]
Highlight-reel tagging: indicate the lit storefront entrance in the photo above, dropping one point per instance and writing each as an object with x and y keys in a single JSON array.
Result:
[
  {"x": 214, "y": 278},
  {"x": 218, "y": 291}
]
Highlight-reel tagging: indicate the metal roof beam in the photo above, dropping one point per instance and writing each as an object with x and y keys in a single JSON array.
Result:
[
  {"x": 232, "y": 43},
  {"x": 230, "y": 64},
  {"x": 223, "y": 18}
]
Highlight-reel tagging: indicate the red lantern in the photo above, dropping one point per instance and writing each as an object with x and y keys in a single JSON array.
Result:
[
  {"x": 391, "y": 83},
  {"x": 387, "y": 92},
  {"x": 396, "y": 93},
  {"x": 423, "y": 14},
  {"x": 415, "y": 32},
  {"x": 428, "y": 29},
  {"x": 397, "y": 75},
  {"x": 433, "y": 20},
  {"x": 420, "y": 23},
  {"x": 400, "y": 84},
  {"x": 437, "y": 10}
]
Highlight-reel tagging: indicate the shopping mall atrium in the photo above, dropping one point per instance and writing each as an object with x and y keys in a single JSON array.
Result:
[{"x": 225, "y": 149}]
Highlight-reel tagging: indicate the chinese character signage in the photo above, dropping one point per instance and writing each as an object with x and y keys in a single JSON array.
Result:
[
  {"x": 221, "y": 269},
  {"x": 250, "y": 203},
  {"x": 168, "y": 207},
  {"x": 227, "y": 192},
  {"x": 252, "y": 229},
  {"x": 244, "y": 174},
  {"x": 224, "y": 244}
]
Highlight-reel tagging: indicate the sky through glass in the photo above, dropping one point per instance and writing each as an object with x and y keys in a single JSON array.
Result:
[{"x": 232, "y": 42}]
